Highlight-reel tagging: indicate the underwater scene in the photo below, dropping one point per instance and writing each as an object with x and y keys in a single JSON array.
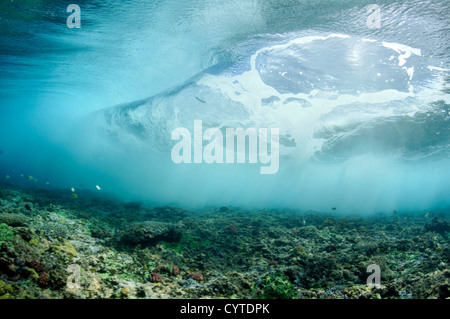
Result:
[{"x": 240, "y": 149}]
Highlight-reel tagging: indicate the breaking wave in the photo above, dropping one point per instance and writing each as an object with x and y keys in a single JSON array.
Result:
[{"x": 363, "y": 113}]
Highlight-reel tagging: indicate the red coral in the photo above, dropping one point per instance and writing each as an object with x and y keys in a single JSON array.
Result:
[
  {"x": 175, "y": 270},
  {"x": 160, "y": 268},
  {"x": 196, "y": 276},
  {"x": 44, "y": 280},
  {"x": 156, "y": 277},
  {"x": 36, "y": 265}
]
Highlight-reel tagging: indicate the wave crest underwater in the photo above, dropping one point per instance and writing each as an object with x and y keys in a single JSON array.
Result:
[{"x": 362, "y": 112}]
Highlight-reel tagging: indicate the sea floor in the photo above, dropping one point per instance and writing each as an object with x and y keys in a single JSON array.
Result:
[{"x": 57, "y": 245}]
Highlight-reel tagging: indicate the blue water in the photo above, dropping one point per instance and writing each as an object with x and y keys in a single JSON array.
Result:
[{"x": 362, "y": 112}]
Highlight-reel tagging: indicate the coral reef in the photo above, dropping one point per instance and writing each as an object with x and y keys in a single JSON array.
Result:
[
  {"x": 14, "y": 220},
  {"x": 52, "y": 246},
  {"x": 149, "y": 233}
]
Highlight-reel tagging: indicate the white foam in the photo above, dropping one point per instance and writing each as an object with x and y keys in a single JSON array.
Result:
[
  {"x": 404, "y": 51},
  {"x": 436, "y": 68},
  {"x": 291, "y": 117}
]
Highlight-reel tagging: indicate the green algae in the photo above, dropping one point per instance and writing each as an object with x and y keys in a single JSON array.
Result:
[
  {"x": 277, "y": 286},
  {"x": 65, "y": 249},
  {"x": 6, "y": 233}
]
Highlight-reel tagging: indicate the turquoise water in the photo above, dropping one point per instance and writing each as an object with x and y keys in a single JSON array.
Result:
[{"x": 362, "y": 112}]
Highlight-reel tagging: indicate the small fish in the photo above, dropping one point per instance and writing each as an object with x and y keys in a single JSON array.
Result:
[
  {"x": 200, "y": 100},
  {"x": 333, "y": 208},
  {"x": 21, "y": 175},
  {"x": 98, "y": 187},
  {"x": 7, "y": 176},
  {"x": 32, "y": 178},
  {"x": 75, "y": 196},
  {"x": 47, "y": 183},
  {"x": 72, "y": 189},
  {"x": 427, "y": 215}
]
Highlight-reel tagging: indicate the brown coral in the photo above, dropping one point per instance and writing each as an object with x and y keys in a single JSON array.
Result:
[
  {"x": 156, "y": 277},
  {"x": 36, "y": 265},
  {"x": 160, "y": 268},
  {"x": 196, "y": 276},
  {"x": 44, "y": 280},
  {"x": 175, "y": 270}
]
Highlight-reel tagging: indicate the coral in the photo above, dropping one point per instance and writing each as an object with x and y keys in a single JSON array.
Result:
[
  {"x": 14, "y": 220},
  {"x": 175, "y": 270},
  {"x": 318, "y": 272},
  {"x": 438, "y": 226},
  {"x": 101, "y": 232},
  {"x": 299, "y": 250},
  {"x": 161, "y": 268},
  {"x": 164, "y": 269},
  {"x": 328, "y": 222},
  {"x": 36, "y": 265},
  {"x": 149, "y": 233},
  {"x": 319, "y": 256},
  {"x": 54, "y": 229},
  {"x": 156, "y": 277},
  {"x": 44, "y": 280},
  {"x": 66, "y": 249},
  {"x": 357, "y": 292},
  {"x": 197, "y": 276}
]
